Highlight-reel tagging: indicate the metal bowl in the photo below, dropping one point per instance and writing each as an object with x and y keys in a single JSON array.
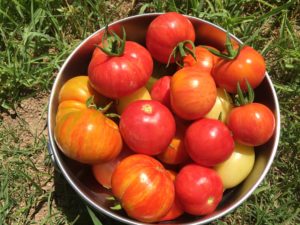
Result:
[{"x": 79, "y": 176}]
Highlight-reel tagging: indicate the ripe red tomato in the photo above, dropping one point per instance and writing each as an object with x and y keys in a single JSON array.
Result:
[
  {"x": 248, "y": 65},
  {"x": 103, "y": 171},
  {"x": 193, "y": 93},
  {"x": 143, "y": 187},
  {"x": 199, "y": 189},
  {"x": 165, "y": 32},
  {"x": 147, "y": 127},
  {"x": 176, "y": 209},
  {"x": 208, "y": 142},
  {"x": 205, "y": 59},
  {"x": 161, "y": 91},
  {"x": 118, "y": 76},
  {"x": 251, "y": 124}
]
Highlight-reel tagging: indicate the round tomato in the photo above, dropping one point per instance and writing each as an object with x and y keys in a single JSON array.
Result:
[
  {"x": 222, "y": 106},
  {"x": 193, "y": 93},
  {"x": 237, "y": 167},
  {"x": 147, "y": 127},
  {"x": 103, "y": 171},
  {"x": 165, "y": 32},
  {"x": 251, "y": 124},
  {"x": 143, "y": 187},
  {"x": 198, "y": 189},
  {"x": 140, "y": 94},
  {"x": 161, "y": 90},
  {"x": 208, "y": 142},
  {"x": 248, "y": 65},
  {"x": 118, "y": 76},
  {"x": 205, "y": 60},
  {"x": 176, "y": 209}
]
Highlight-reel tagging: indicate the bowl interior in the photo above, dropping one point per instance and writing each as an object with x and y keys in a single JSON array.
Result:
[{"x": 80, "y": 177}]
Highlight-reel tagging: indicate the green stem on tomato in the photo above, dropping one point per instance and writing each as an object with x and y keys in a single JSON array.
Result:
[{"x": 242, "y": 99}]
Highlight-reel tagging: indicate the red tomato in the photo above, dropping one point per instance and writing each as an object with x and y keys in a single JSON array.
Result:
[
  {"x": 193, "y": 93},
  {"x": 176, "y": 209},
  {"x": 205, "y": 59},
  {"x": 165, "y": 32},
  {"x": 252, "y": 124},
  {"x": 147, "y": 127},
  {"x": 117, "y": 76},
  {"x": 208, "y": 142},
  {"x": 103, "y": 171},
  {"x": 161, "y": 91},
  {"x": 199, "y": 189},
  {"x": 248, "y": 65},
  {"x": 143, "y": 187}
]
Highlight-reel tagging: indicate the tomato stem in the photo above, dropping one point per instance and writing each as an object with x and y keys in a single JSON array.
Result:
[{"x": 242, "y": 99}]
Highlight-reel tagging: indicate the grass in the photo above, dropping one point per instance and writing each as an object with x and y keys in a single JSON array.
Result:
[{"x": 37, "y": 36}]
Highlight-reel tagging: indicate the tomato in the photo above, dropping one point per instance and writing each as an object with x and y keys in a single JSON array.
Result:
[
  {"x": 176, "y": 209},
  {"x": 118, "y": 76},
  {"x": 205, "y": 60},
  {"x": 222, "y": 106},
  {"x": 198, "y": 189},
  {"x": 140, "y": 94},
  {"x": 103, "y": 171},
  {"x": 77, "y": 126},
  {"x": 147, "y": 127},
  {"x": 161, "y": 91},
  {"x": 237, "y": 167},
  {"x": 208, "y": 142},
  {"x": 165, "y": 32},
  {"x": 248, "y": 65},
  {"x": 193, "y": 93},
  {"x": 251, "y": 124},
  {"x": 175, "y": 153},
  {"x": 143, "y": 187}
]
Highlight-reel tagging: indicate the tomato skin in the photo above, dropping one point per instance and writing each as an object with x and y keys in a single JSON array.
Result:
[
  {"x": 147, "y": 127},
  {"x": 205, "y": 59},
  {"x": 88, "y": 136},
  {"x": 252, "y": 124},
  {"x": 193, "y": 93},
  {"x": 199, "y": 189},
  {"x": 161, "y": 91},
  {"x": 208, "y": 142},
  {"x": 237, "y": 167},
  {"x": 249, "y": 65},
  {"x": 143, "y": 187},
  {"x": 165, "y": 32},
  {"x": 116, "y": 77}
]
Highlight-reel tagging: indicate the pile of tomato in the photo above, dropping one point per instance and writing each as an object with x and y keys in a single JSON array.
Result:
[{"x": 171, "y": 145}]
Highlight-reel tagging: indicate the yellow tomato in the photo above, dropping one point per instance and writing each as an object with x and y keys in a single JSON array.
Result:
[
  {"x": 237, "y": 167},
  {"x": 140, "y": 94},
  {"x": 222, "y": 106}
]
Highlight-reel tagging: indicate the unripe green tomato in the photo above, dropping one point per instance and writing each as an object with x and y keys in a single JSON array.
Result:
[{"x": 237, "y": 167}]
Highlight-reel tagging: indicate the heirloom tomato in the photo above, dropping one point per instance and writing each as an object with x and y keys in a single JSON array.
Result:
[
  {"x": 84, "y": 134},
  {"x": 122, "y": 72},
  {"x": 198, "y": 189},
  {"x": 165, "y": 32},
  {"x": 222, "y": 106},
  {"x": 193, "y": 93},
  {"x": 140, "y": 94},
  {"x": 161, "y": 90},
  {"x": 248, "y": 65},
  {"x": 205, "y": 60},
  {"x": 208, "y": 142},
  {"x": 143, "y": 187},
  {"x": 147, "y": 127},
  {"x": 176, "y": 209},
  {"x": 237, "y": 167},
  {"x": 251, "y": 124}
]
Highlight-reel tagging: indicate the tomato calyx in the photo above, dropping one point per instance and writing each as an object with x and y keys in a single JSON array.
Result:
[
  {"x": 113, "y": 45},
  {"x": 90, "y": 103},
  {"x": 116, "y": 204},
  {"x": 242, "y": 99},
  {"x": 181, "y": 50}
]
